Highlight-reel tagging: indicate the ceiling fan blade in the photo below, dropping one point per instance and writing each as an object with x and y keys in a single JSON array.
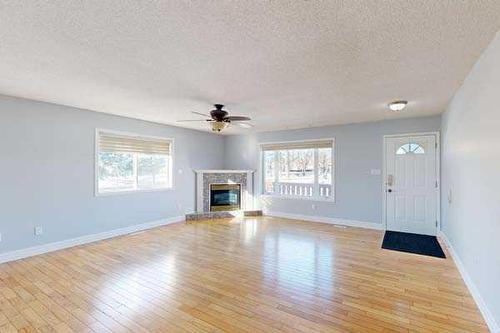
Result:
[
  {"x": 192, "y": 120},
  {"x": 244, "y": 125},
  {"x": 237, "y": 118},
  {"x": 202, "y": 114}
]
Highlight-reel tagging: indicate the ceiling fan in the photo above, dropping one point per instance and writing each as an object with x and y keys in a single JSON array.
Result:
[{"x": 220, "y": 119}]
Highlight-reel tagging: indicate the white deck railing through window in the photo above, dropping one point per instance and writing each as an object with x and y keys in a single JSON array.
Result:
[{"x": 299, "y": 190}]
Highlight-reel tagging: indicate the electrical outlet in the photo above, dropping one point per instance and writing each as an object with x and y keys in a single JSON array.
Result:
[
  {"x": 313, "y": 206},
  {"x": 38, "y": 230}
]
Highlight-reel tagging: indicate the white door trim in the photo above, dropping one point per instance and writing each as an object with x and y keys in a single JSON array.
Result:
[{"x": 438, "y": 174}]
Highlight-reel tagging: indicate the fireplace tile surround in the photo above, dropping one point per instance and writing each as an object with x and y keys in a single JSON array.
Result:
[{"x": 204, "y": 178}]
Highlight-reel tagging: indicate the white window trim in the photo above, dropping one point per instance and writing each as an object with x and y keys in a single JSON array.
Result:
[
  {"x": 125, "y": 192},
  {"x": 288, "y": 197}
]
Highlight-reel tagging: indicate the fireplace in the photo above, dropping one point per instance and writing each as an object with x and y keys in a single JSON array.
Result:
[
  {"x": 225, "y": 197},
  {"x": 239, "y": 181}
]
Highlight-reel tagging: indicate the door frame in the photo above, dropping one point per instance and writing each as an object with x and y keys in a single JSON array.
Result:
[{"x": 438, "y": 174}]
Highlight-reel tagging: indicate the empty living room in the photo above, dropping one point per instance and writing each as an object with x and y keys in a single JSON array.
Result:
[{"x": 250, "y": 166}]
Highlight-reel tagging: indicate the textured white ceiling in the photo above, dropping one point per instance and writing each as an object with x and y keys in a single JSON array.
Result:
[{"x": 287, "y": 64}]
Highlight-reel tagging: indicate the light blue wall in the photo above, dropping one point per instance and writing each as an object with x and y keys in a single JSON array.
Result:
[
  {"x": 47, "y": 172},
  {"x": 358, "y": 150},
  {"x": 471, "y": 172},
  {"x": 47, "y": 163}
]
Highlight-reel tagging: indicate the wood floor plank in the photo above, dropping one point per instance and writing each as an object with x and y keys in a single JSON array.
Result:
[{"x": 257, "y": 274}]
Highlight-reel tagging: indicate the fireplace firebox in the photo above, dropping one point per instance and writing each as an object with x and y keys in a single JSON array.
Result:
[{"x": 225, "y": 197}]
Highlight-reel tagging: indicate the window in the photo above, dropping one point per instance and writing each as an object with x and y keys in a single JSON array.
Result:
[
  {"x": 299, "y": 169},
  {"x": 412, "y": 148},
  {"x": 132, "y": 163}
]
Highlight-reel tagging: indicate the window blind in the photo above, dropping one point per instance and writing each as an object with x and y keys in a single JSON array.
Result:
[
  {"x": 297, "y": 145},
  {"x": 110, "y": 142}
]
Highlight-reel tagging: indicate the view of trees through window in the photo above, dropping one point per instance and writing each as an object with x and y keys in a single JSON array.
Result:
[
  {"x": 131, "y": 171},
  {"x": 325, "y": 165},
  {"x": 292, "y": 172},
  {"x": 296, "y": 165}
]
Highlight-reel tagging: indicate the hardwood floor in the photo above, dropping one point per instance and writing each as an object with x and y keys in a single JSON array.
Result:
[{"x": 244, "y": 275}]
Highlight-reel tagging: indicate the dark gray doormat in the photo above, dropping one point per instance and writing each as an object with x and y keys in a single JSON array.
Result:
[{"x": 412, "y": 243}]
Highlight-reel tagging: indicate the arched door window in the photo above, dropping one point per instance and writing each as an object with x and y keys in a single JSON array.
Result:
[{"x": 410, "y": 148}]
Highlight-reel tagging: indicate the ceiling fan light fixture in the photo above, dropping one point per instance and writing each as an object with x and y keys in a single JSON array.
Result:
[
  {"x": 218, "y": 126},
  {"x": 219, "y": 119},
  {"x": 398, "y": 105}
]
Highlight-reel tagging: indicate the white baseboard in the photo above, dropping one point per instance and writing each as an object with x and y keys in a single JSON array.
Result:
[
  {"x": 49, "y": 247},
  {"x": 487, "y": 315},
  {"x": 329, "y": 220}
]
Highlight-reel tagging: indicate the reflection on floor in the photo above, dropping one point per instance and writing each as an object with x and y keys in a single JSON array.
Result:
[{"x": 243, "y": 275}]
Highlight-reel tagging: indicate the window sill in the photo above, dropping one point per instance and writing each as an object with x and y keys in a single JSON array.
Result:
[
  {"x": 286, "y": 197},
  {"x": 125, "y": 192}
]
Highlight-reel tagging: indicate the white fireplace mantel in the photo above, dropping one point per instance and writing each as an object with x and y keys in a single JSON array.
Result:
[
  {"x": 223, "y": 171},
  {"x": 247, "y": 197}
]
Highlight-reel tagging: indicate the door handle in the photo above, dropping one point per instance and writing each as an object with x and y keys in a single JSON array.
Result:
[{"x": 390, "y": 180}]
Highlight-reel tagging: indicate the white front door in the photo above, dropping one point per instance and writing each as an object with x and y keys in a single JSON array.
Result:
[{"x": 411, "y": 186}]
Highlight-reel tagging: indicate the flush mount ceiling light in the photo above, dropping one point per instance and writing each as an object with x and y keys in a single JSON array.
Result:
[{"x": 398, "y": 105}]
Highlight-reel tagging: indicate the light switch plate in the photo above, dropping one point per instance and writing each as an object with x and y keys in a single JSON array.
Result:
[{"x": 38, "y": 230}]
